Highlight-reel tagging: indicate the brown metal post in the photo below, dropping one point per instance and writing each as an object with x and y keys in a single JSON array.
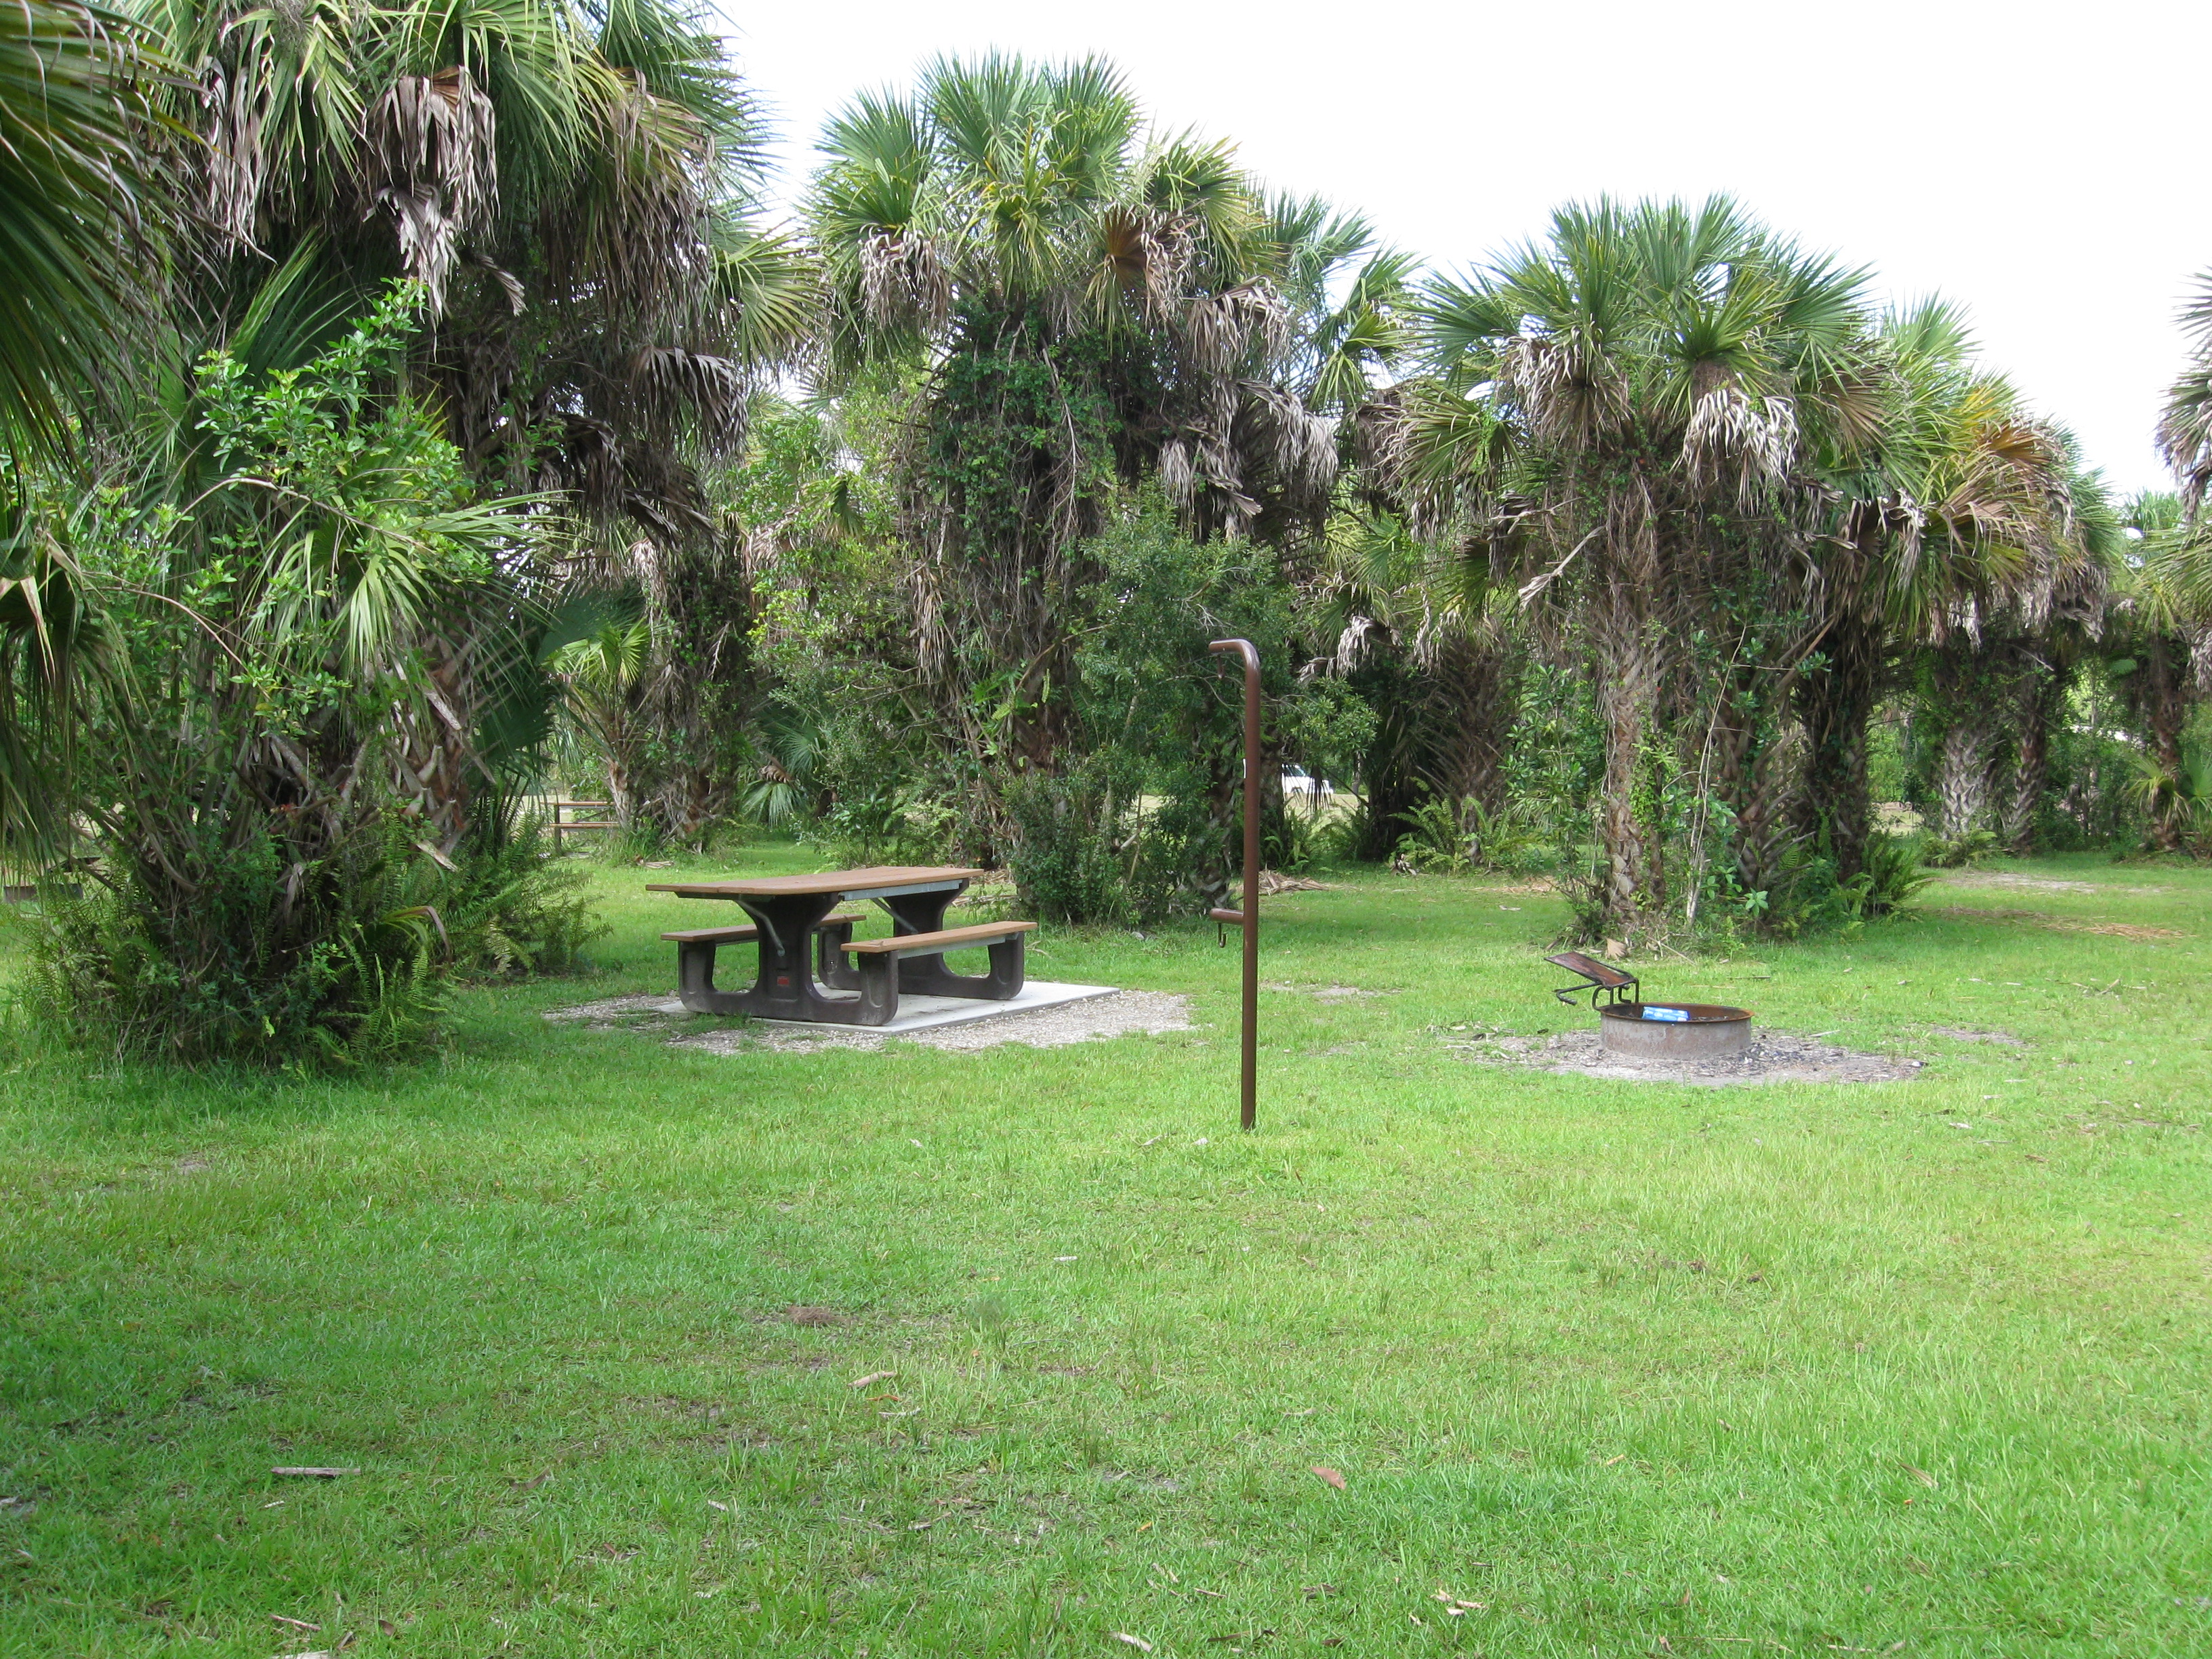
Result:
[{"x": 1249, "y": 915}]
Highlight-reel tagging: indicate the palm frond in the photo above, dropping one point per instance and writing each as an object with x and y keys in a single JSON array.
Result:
[{"x": 82, "y": 199}]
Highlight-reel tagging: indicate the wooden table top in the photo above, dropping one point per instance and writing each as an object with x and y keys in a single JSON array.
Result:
[{"x": 856, "y": 883}]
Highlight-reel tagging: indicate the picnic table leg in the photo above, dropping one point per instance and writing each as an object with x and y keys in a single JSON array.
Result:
[
  {"x": 694, "y": 976},
  {"x": 922, "y": 913},
  {"x": 832, "y": 966},
  {"x": 927, "y": 976},
  {"x": 785, "y": 988},
  {"x": 879, "y": 989}
]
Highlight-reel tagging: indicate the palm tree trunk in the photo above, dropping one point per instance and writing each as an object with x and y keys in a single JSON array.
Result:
[
  {"x": 1628, "y": 685},
  {"x": 1837, "y": 707},
  {"x": 691, "y": 801},
  {"x": 1762, "y": 818},
  {"x": 2163, "y": 691},
  {"x": 2042, "y": 698},
  {"x": 436, "y": 754},
  {"x": 1962, "y": 777},
  {"x": 618, "y": 740},
  {"x": 1475, "y": 684}
]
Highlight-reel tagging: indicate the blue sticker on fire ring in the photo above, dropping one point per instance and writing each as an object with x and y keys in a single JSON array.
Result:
[{"x": 1679, "y": 1015}]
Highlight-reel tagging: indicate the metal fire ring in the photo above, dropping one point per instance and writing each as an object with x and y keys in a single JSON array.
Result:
[{"x": 1707, "y": 1032}]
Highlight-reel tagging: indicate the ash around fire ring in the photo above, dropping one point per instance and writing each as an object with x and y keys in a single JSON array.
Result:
[{"x": 1674, "y": 1031}]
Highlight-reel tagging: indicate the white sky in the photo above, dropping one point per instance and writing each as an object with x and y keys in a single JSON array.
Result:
[{"x": 2047, "y": 165}]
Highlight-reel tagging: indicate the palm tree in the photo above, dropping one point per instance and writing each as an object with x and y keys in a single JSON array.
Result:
[
  {"x": 1873, "y": 544},
  {"x": 2167, "y": 597},
  {"x": 1078, "y": 305},
  {"x": 85, "y": 209},
  {"x": 1965, "y": 539},
  {"x": 2160, "y": 620},
  {"x": 1628, "y": 411},
  {"x": 1350, "y": 299},
  {"x": 2184, "y": 429},
  {"x": 84, "y": 204},
  {"x": 602, "y": 674},
  {"x": 1431, "y": 644},
  {"x": 574, "y": 189},
  {"x": 1993, "y": 551}
]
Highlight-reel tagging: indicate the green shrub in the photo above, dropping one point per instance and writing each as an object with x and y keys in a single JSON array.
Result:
[
  {"x": 336, "y": 964},
  {"x": 1343, "y": 838},
  {"x": 886, "y": 826},
  {"x": 267, "y": 965},
  {"x": 1895, "y": 871},
  {"x": 1290, "y": 837},
  {"x": 1947, "y": 853},
  {"x": 1441, "y": 837},
  {"x": 514, "y": 911},
  {"x": 1064, "y": 860},
  {"x": 1434, "y": 839}
]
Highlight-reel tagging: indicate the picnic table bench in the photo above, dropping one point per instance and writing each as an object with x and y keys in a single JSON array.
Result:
[
  {"x": 696, "y": 948},
  {"x": 802, "y": 943}
]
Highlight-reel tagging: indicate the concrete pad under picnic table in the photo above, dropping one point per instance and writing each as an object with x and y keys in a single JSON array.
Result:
[{"x": 919, "y": 1012}]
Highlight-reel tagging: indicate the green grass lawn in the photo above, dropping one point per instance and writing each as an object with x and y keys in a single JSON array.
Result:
[{"x": 1617, "y": 1369}]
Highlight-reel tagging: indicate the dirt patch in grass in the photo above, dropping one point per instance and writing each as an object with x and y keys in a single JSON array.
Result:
[
  {"x": 1962, "y": 1034},
  {"x": 2040, "y": 884},
  {"x": 1327, "y": 992},
  {"x": 2056, "y": 924},
  {"x": 1773, "y": 1057}
]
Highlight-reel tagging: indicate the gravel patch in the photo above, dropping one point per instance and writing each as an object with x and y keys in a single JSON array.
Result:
[
  {"x": 602, "y": 1014},
  {"x": 1092, "y": 1020},
  {"x": 1773, "y": 1057}
]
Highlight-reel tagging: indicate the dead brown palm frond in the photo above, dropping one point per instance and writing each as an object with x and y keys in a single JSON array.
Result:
[
  {"x": 904, "y": 281},
  {"x": 1146, "y": 254},
  {"x": 1300, "y": 444},
  {"x": 429, "y": 155},
  {"x": 641, "y": 224},
  {"x": 1732, "y": 435},
  {"x": 670, "y": 385},
  {"x": 280, "y": 104},
  {"x": 1221, "y": 330},
  {"x": 1178, "y": 478},
  {"x": 235, "y": 160},
  {"x": 1570, "y": 395}
]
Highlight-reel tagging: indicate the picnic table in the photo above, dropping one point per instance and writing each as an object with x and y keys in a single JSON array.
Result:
[{"x": 801, "y": 940}]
